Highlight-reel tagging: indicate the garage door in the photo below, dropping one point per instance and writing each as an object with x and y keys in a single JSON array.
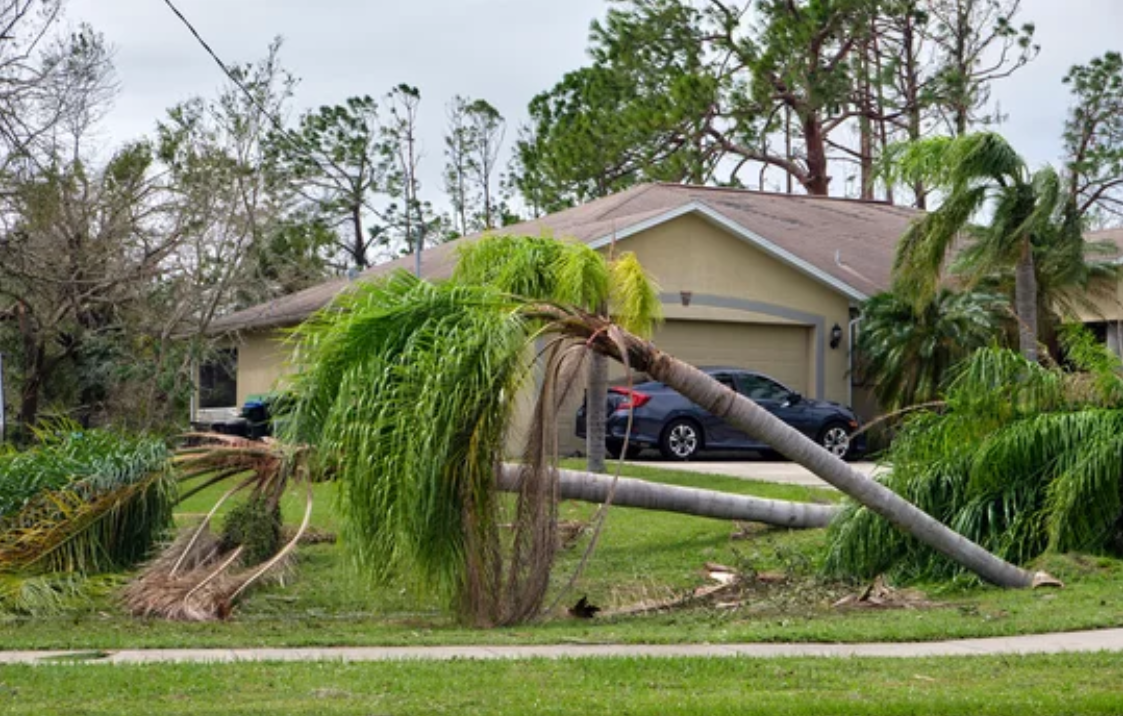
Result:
[{"x": 780, "y": 351}]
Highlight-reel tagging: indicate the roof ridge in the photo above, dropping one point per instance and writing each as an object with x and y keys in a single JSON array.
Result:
[
  {"x": 779, "y": 194},
  {"x": 627, "y": 196}
]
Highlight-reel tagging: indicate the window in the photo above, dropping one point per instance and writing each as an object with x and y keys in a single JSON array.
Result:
[
  {"x": 758, "y": 387},
  {"x": 726, "y": 380},
  {"x": 218, "y": 380}
]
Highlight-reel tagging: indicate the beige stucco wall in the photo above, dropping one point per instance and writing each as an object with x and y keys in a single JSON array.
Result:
[
  {"x": 691, "y": 254},
  {"x": 262, "y": 362}
]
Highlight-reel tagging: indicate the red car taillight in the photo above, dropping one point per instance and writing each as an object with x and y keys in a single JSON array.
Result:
[{"x": 633, "y": 398}]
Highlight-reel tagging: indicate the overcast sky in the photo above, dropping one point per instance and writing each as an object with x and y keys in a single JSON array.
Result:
[{"x": 504, "y": 51}]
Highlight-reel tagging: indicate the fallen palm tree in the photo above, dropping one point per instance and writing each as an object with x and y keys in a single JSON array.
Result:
[
  {"x": 644, "y": 495},
  {"x": 407, "y": 389},
  {"x": 201, "y": 574},
  {"x": 76, "y": 504}
]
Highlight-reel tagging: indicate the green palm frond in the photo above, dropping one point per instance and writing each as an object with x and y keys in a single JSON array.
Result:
[
  {"x": 1021, "y": 459},
  {"x": 906, "y": 353},
  {"x": 83, "y": 502},
  {"x": 583, "y": 278},
  {"x": 634, "y": 302},
  {"x": 406, "y": 388},
  {"x": 924, "y": 248},
  {"x": 39, "y": 595},
  {"x": 978, "y": 157}
]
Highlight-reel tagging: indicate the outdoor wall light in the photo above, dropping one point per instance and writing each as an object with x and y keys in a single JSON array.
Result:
[
  {"x": 686, "y": 296},
  {"x": 836, "y": 335}
]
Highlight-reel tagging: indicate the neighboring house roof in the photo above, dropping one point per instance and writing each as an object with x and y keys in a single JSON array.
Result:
[
  {"x": 1111, "y": 236},
  {"x": 845, "y": 243}
]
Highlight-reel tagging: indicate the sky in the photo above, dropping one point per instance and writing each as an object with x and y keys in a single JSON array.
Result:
[{"x": 504, "y": 51}]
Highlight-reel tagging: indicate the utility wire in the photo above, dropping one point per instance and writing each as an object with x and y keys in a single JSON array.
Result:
[{"x": 293, "y": 139}]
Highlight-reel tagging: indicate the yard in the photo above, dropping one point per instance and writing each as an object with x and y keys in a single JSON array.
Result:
[{"x": 643, "y": 558}]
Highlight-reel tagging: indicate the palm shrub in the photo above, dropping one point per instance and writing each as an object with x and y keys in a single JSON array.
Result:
[
  {"x": 76, "y": 504},
  {"x": 1022, "y": 459},
  {"x": 905, "y": 350}
]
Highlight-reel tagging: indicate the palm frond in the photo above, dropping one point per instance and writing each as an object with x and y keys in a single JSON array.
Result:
[
  {"x": 406, "y": 390},
  {"x": 84, "y": 502},
  {"x": 634, "y": 303},
  {"x": 1017, "y": 460}
]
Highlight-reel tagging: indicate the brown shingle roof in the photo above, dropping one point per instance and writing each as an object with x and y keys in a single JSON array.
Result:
[{"x": 850, "y": 241}]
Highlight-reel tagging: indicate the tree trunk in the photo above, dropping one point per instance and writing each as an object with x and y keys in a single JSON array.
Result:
[
  {"x": 745, "y": 415},
  {"x": 596, "y": 405},
  {"x": 818, "y": 180},
  {"x": 358, "y": 250},
  {"x": 644, "y": 495},
  {"x": 1025, "y": 302}
]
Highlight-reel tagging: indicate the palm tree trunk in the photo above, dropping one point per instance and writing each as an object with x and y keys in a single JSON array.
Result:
[
  {"x": 758, "y": 423},
  {"x": 644, "y": 495},
  {"x": 1025, "y": 302},
  {"x": 596, "y": 405}
]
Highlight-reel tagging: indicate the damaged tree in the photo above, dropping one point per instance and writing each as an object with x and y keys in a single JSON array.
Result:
[{"x": 407, "y": 390}]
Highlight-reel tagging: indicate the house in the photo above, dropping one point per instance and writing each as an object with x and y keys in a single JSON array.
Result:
[
  {"x": 764, "y": 281},
  {"x": 1104, "y": 312}
]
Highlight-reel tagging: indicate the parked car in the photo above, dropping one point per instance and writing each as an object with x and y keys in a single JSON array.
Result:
[{"x": 664, "y": 419}]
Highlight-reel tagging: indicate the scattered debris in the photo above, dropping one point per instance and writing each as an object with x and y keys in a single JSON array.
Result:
[
  {"x": 879, "y": 595},
  {"x": 748, "y": 530},
  {"x": 1044, "y": 579},
  {"x": 569, "y": 531},
  {"x": 583, "y": 610},
  {"x": 312, "y": 535}
]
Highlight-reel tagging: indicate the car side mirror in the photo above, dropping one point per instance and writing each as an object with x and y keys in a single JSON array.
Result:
[{"x": 792, "y": 398}]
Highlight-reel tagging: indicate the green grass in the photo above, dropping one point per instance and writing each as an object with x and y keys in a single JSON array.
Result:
[
  {"x": 642, "y": 556},
  {"x": 1027, "y": 685}
]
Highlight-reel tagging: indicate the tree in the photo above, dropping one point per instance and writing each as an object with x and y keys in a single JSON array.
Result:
[
  {"x": 981, "y": 175},
  {"x": 419, "y": 496},
  {"x": 599, "y": 131},
  {"x": 412, "y": 222},
  {"x": 725, "y": 92},
  {"x": 1093, "y": 136},
  {"x": 1020, "y": 458},
  {"x": 906, "y": 353},
  {"x": 693, "y": 86},
  {"x": 337, "y": 157},
  {"x": 977, "y": 43},
  {"x": 76, "y": 264},
  {"x": 472, "y": 144}
]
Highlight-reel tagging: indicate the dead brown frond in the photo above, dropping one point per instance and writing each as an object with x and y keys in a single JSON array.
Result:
[
  {"x": 192, "y": 580},
  {"x": 879, "y": 595},
  {"x": 201, "y": 574}
]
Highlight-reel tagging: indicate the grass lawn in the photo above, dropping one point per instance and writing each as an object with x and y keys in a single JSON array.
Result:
[
  {"x": 642, "y": 556},
  {"x": 1066, "y": 684}
]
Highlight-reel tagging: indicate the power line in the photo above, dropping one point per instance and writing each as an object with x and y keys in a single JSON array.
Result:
[{"x": 293, "y": 139}]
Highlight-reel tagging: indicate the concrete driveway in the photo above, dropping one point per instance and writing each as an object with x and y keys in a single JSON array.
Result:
[{"x": 761, "y": 470}]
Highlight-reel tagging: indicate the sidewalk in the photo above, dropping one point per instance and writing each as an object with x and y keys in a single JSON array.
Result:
[{"x": 1082, "y": 641}]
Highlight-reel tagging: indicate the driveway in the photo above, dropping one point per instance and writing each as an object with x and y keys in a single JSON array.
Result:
[{"x": 787, "y": 473}]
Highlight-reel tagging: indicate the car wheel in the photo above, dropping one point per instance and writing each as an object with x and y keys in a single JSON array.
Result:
[
  {"x": 614, "y": 447},
  {"x": 681, "y": 439},
  {"x": 835, "y": 439}
]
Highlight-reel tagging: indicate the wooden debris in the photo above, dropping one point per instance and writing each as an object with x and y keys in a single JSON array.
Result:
[{"x": 879, "y": 595}]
